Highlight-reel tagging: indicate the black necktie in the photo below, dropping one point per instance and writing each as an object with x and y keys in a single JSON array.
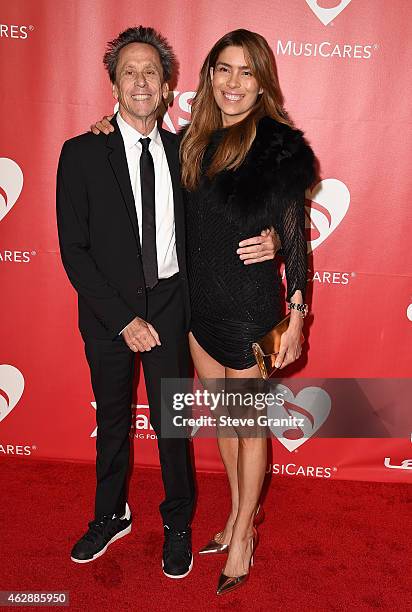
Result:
[{"x": 147, "y": 184}]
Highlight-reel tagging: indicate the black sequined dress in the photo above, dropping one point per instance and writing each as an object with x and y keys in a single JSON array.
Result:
[{"x": 233, "y": 304}]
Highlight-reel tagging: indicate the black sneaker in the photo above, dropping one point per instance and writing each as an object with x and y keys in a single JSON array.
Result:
[
  {"x": 100, "y": 535},
  {"x": 177, "y": 552}
]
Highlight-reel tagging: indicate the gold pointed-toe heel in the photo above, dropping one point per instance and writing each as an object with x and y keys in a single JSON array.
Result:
[
  {"x": 229, "y": 583},
  {"x": 214, "y": 548}
]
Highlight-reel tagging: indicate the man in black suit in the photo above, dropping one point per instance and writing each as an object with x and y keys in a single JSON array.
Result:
[{"x": 122, "y": 240}]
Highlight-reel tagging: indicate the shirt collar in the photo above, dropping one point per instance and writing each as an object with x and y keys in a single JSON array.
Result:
[{"x": 131, "y": 136}]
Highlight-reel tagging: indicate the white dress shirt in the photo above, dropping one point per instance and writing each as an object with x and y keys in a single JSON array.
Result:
[{"x": 165, "y": 219}]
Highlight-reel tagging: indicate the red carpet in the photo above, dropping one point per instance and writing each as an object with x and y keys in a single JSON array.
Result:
[{"x": 324, "y": 545}]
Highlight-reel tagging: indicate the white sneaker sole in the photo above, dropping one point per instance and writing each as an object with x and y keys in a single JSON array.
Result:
[
  {"x": 180, "y": 575},
  {"x": 118, "y": 535}
]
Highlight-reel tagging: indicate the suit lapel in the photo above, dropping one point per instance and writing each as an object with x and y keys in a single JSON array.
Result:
[
  {"x": 172, "y": 155},
  {"x": 118, "y": 162}
]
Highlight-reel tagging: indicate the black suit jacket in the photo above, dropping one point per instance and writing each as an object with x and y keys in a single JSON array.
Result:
[{"x": 99, "y": 234}]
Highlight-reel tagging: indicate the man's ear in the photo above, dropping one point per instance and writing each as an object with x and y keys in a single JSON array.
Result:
[
  {"x": 115, "y": 91},
  {"x": 165, "y": 91}
]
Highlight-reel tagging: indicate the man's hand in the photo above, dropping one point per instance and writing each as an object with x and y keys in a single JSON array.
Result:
[
  {"x": 102, "y": 126},
  {"x": 259, "y": 248},
  {"x": 140, "y": 336}
]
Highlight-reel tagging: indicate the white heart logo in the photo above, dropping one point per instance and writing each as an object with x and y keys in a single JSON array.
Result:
[
  {"x": 326, "y": 15},
  {"x": 11, "y": 389},
  {"x": 11, "y": 184},
  {"x": 312, "y": 404},
  {"x": 330, "y": 202}
]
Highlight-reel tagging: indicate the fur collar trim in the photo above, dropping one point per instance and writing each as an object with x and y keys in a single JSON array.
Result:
[{"x": 278, "y": 168}]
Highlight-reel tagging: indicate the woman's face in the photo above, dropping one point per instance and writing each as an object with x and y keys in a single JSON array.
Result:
[{"x": 234, "y": 87}]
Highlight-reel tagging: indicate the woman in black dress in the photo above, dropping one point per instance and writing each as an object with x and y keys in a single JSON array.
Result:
[{"x": 244, "y": 167}]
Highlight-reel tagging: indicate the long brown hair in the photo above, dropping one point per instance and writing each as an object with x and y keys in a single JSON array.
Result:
[{"x": 206, "y": 115}]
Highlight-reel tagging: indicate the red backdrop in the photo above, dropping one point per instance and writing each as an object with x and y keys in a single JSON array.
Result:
[{"x": 343, "y": 69}]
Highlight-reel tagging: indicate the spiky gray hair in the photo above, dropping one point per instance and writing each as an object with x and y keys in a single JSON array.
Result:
[{"x": 140, "y": 34}]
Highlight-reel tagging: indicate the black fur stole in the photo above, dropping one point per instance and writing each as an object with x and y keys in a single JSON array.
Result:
[{"x": 277, "y": 170}]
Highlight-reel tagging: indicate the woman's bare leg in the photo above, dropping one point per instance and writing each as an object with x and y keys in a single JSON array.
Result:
[
  {"x": 207, "y": 367},
  {"x": 251, "y": 467}
]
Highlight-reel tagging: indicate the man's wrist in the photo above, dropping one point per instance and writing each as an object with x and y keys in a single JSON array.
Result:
[{"x": 120, "y": 333}]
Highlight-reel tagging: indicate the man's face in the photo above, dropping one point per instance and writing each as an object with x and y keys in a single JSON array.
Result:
[{"x": 139, "y": 86}]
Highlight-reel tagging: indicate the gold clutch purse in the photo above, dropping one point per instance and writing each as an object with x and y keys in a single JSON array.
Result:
[{"x": 267, "y": 348}]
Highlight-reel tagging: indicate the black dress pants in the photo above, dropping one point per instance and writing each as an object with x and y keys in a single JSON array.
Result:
[{"x": 112, "y": 366}]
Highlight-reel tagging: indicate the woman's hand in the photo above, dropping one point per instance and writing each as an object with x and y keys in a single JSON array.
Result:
[
  {"x": 290, "y": 346},
  {"x": 102, "y": 126}
]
